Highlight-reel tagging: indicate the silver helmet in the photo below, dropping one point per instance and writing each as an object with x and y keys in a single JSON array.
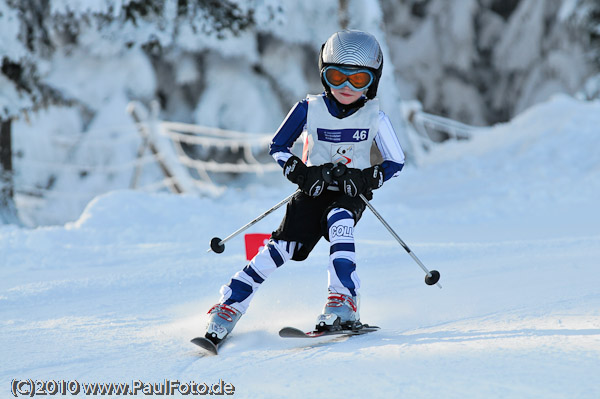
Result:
[{"x": 352, "y": 48}]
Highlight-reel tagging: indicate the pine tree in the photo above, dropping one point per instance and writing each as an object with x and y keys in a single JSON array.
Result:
[
  {"x": 588, "y": 18},
  {"x": 8, "y": 213},
  {"x": 39, "y": 28}
]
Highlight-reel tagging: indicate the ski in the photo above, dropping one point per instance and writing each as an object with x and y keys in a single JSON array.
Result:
[
  {"x": 207, "y": 345},
  {"x": 290, "y": 332},
  {"x": 293, "y": 332}
]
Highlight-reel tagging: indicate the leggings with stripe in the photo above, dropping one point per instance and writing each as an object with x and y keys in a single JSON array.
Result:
[{"x": 343, "y": 279}]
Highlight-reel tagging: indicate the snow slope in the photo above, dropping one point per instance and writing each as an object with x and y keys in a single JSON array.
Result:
[{"x": 509, "y": 219}]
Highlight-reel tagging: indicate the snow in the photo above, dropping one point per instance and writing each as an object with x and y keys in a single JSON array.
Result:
[
  {"x": 9, "y": 31},
  {"x": 509, "y": 219},
  {"x": 223, "y": 105},
  {"x": 94, "y": 80},
  {"x": 522, "y": 53},
  {"x": 10, "y": 98}
]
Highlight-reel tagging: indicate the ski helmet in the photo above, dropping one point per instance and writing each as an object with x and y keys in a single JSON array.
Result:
[{"x": 352, "y": 48}]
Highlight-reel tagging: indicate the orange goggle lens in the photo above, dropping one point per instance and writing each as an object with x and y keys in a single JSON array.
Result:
[{"x": 336, "y": 78}]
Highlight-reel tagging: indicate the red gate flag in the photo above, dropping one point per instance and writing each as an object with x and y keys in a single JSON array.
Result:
[{"x": 254, "y": 243}]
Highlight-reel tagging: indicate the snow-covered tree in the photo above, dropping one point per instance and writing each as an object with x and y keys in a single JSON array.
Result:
[
  {"x": 584, "y": 17},
  {"x": 35, "y": 35},
  {"x": 483, "y": 61},
  {"x": 71, "y": 66}
]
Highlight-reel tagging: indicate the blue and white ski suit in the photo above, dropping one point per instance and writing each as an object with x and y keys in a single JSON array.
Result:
[{"x": 334, "y": 133}]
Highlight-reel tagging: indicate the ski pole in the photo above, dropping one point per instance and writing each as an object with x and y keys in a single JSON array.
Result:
[
  {"x": 432, "y": 276},
  {"x": 218, "y": 245}
]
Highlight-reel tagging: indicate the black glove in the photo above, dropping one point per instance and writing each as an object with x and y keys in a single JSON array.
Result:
[
  {"x": 355, "y": 181},
  {"x": 373, "y": 176},
  {"x": 312, "y": 180},
  {"x": 352, "y": 183}
]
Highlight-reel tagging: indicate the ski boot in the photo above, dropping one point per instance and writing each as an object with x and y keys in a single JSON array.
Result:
[
  {"x": 340, "y": 313},
  {"x": 222, "y": 320}
]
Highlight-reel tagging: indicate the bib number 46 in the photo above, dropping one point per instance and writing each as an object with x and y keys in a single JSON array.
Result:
[{"x": 360, "y": 135}]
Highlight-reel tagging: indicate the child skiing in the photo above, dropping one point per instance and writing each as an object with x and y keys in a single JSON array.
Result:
[{"x": 339, "y": 126}]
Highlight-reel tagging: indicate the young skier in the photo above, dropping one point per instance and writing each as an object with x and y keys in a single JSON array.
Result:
[{"x": 340, "y": 125}]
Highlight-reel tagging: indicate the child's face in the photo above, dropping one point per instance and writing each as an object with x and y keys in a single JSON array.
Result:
[{"x": 346, "y": 95}]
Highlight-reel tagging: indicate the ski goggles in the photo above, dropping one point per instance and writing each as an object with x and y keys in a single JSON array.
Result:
[{"x": 356, "y": 79}]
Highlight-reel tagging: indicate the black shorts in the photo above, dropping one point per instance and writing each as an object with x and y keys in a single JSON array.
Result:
[{"x": 305, "y": 219}]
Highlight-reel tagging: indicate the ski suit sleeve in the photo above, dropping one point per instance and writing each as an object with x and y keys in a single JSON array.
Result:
[
  {"x": 289, "y": 131},
  {"x": 389, "y": 146}
]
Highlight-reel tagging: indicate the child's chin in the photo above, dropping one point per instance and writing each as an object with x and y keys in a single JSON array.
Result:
[{"x": 346, "y": 100}]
